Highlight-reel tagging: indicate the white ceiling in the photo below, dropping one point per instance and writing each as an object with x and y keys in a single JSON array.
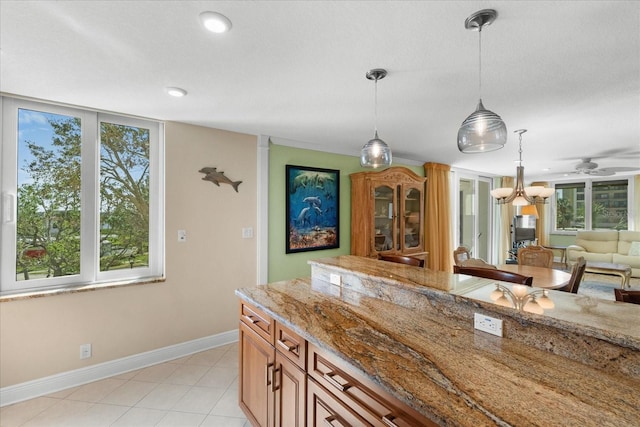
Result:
[{"x": 568, "y": 71}]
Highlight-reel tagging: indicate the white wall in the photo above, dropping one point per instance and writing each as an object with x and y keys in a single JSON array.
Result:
[{"x": 41, "y": 336}]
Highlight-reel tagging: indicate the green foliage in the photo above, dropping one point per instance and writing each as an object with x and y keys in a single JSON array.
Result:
[
  {"x": 49, "y": 204},
  {"x": 564, "y": 214}
]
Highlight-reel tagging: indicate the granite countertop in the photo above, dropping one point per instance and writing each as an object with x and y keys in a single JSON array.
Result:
[{"x": 440, "y": 366}]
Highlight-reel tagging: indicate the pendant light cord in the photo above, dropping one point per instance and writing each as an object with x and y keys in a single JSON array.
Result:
[
  {"x": 375, "y": 107},
  {"x": 480, "y": 61}
]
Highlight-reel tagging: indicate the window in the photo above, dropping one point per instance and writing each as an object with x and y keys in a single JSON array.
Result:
[
  {"x": 592, "y": 205},
  {"x": 81, "y": 197}
]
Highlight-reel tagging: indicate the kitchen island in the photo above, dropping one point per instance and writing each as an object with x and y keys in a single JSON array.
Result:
[{"x": 410, "y": 332}]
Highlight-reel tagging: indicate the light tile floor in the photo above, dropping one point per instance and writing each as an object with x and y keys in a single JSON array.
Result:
[{"x": 196, "y": 390}]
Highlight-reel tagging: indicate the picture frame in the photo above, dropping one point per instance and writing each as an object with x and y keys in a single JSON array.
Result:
[{"x": 313, "y": 208}]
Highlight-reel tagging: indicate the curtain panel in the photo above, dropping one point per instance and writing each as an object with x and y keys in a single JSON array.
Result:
[{"x": 438, "y": 216}]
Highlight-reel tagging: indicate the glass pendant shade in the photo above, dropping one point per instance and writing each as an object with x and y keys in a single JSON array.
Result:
[
  {"x": 375, "y": 153},
  {"x": 481, "y": 132}
]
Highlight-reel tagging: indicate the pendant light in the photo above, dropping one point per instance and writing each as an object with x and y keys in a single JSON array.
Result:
[
  {"x": 376, "y": 152},
  {"x": 483, "y": 130}
]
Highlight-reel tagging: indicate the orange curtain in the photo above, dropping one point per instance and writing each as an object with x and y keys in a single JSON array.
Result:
[
  {"x": 543, "y": 218},
  {"x": 438, "y": 217}
]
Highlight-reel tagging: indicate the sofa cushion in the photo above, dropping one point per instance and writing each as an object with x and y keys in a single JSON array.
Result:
[
  {"x": 634, "y": 249},
  {"x": 594, "y": 256},
  {"x": 626, "y": 239},
  {"x": 601, "y": 242}
]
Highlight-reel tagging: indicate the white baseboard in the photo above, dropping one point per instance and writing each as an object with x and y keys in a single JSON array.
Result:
[{"x": 51, "y": 384}]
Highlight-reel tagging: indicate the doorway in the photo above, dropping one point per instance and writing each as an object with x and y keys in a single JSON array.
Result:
[{"x": 474, "y": 219}]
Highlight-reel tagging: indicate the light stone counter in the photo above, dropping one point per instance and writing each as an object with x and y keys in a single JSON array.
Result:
[{"x": 409, "y": 330}]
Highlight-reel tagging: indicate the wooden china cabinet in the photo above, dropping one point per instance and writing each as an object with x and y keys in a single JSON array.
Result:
[{"x": 387, "y": 213}]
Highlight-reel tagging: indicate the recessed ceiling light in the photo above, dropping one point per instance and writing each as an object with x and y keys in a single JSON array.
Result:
[
  {"x": 215, "y": 22},
  {"x": 176, "y": 91}
]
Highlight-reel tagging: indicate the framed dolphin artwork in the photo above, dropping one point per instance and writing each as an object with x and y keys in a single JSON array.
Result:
[{"x": 313, "y": 208}]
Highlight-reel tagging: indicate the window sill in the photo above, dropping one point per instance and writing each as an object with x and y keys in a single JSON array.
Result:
[{"x": 22, "y": 295}]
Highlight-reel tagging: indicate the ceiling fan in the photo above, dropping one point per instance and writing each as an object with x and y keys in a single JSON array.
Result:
[{"x": 587, "y": 167}]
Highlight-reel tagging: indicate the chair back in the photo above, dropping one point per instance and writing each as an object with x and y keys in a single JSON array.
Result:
[
  {"x": 460, "y": 254},
  {"x": 576, "y": 276},
  {"x": 476, "y": 262},
  {"x": 627, "y": 296},
  {"x": 536, "y": 256},
  {"x": 402, "y": 259},
  {"x": 490, "y": 273}
]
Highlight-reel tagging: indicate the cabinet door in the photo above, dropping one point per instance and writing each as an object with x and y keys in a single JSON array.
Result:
[
  {"x": 384, "y": 218},
  {"x": 412, "y": 223},
  {"x": 257, "y": 359},
  {"x": 289, "y": 385}
]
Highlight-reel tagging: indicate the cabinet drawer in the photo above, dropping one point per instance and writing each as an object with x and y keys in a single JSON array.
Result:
[
  {"x": 368, "y": 399},
  {"x": 324, "y": 410},
  {"x": 291, "y": 345},
  {"x": 257, "y": 320}
]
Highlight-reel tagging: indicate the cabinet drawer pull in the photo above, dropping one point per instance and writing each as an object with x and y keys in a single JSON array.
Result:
[
  {"x": 388, "y": 421},
  {"x": 393, "y": 421},
  {"x": 267, "y": 379},
  {"x": 290, "y": 348},
  {"x": 250, "y": 319},
  {"x": 329, "y": 377},
  {"x": 334, "y": 420},
  {"x": 274, "y": 373}
]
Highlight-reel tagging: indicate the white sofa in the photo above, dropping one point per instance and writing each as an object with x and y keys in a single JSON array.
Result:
[{"x": 607, "y": 246}]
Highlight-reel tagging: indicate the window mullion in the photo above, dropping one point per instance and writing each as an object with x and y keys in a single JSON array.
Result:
[{"x": 89, "y": 257}]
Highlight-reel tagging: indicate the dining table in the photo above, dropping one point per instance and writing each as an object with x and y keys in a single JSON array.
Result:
[{"x": 543, "y": 277}]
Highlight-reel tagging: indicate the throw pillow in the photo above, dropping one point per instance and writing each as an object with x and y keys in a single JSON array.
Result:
[{"x": 634, "y": 249}]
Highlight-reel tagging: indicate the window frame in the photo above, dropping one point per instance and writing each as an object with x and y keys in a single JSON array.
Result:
[
  {"x": 90, "y": 192},
  {"x": 588, "y": 201}
]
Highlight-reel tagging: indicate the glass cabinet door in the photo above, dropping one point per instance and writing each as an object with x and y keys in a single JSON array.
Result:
[
  {"x": 383, "y": 218},
  {"x": 411, "y": 218}
]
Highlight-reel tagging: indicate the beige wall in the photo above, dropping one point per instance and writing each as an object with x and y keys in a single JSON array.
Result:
[{"x": 42, "y": 336}]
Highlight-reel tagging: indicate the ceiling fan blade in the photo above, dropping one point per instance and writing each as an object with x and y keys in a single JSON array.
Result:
[
  {"x": 600, "y": 172},
  {"x": 619, "y": 169}
]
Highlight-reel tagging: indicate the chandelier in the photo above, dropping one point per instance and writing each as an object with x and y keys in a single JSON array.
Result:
[
  {"x": 522, "y": 300},
  {"x": 519, "y": 195}
]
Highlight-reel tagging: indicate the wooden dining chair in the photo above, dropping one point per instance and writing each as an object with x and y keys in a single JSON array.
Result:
[
  {"x": 402, "y": 259},
  {"x": 477, "y": 263},
  {"x": 576, "y": 276},
  {"x": 490, "y": 273},
  {"x": 460, "y": 254},
  {"x": 536, "y": 256},
  {"x": 627, "y": 296}
]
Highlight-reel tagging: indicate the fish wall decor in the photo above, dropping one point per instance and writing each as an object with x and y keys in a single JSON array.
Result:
[{"x": 212, "y": 174}]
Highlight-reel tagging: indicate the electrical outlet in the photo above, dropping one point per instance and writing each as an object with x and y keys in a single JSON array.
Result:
[
  {"x": 85, "y": 351},
  {"x": 182, "y": 235},
  {"x": 487, "y": 324},
  {"x": 247, "y": 233},
  {"x": 335, "y": 279}
]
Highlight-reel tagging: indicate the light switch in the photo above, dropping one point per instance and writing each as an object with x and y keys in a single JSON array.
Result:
[
  {"x": 247, "y": 233},
  {"x": 182, "y": 235}
]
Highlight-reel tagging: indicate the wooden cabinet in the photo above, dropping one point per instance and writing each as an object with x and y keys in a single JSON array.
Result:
[
  {"x": 272, "y": 379},
  {"x": 285, "y": 381},
  {"x": 387, "y": 212}
]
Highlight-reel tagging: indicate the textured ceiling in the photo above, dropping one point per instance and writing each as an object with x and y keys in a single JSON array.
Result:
[{"x": 568, "y": 71}]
